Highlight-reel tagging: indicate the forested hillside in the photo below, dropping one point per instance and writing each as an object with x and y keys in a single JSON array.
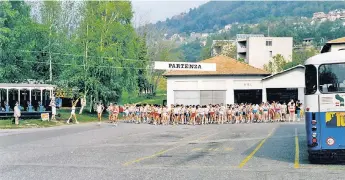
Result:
[
  {"x": 298, "y": 28},
  {"x": 216, "y": 14}
]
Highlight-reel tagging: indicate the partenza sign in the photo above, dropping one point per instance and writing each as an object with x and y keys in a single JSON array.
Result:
[{"x": 185, "y": 66}]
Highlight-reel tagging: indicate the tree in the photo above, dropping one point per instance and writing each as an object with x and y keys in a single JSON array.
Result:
[
  {"x": 298, "y": 57},
  {"x": 158, "y": 49},
  {"x": 161, "y": 50},
  {"x": 229, "y": 50},
  {"x": 110, "y": 49},
  {"x": 276, "y": 64},
  {"x": 241, "y": 60},
  {"x": 17, "y": 33}
]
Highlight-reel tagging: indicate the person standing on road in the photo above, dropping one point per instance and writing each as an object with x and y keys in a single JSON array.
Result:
[
  {"x": 115, "y": 114},
  {"x": 292, "y": 108},
  {"x": 100, "y": 109},
  {"x": 298, "y": 110},
  {"x": 16, "y": 113},
  {"x": 74, "y": 104},
  {"x": 301, "y": 111},
  {"x": 110, "y": 111},
  {"x": 53, "y": 106}
]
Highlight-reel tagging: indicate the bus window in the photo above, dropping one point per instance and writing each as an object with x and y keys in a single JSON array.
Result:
[
  {"x": 332, "y": 78},
  {"x": 310, "y": 79}
]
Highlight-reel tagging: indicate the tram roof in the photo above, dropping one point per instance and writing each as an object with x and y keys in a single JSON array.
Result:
[
  {"x": 25, "y": 86},
  {"x": 329, "y": 57}
]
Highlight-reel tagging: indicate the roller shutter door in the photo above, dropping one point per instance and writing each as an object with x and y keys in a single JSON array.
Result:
[
  {"x": 187, "y": 97},
  {"x": 212, "y": 97}
]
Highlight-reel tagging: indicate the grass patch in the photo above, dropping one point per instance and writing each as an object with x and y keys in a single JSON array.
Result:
[
  {"x": 132, "y": 97},
  {"x": 145, "y": 99},
  {"x": 63, "y": 115},
  {"x": 28, "y": 123}
]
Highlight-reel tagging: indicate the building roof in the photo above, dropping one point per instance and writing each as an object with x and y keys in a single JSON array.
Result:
[
  {"x": 337, "y": 41},
  {"x": 25, "y": 86},
  {"x": 282, "y": 72},
  {"x": 245, "y": 36},
  {"x": 328, "y": 45},
  {"x": 225, "y": 66}
]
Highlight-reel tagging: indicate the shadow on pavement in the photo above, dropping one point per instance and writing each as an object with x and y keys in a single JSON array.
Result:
[{"x": 281, "y": 146}]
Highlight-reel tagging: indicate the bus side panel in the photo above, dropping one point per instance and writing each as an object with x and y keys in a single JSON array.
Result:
[
  {"x": 331, "y": 128},
  {"x": 308, "y": 118}
]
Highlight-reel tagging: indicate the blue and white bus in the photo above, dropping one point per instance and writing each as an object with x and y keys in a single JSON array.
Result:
[{"x": 325, "y": 108}]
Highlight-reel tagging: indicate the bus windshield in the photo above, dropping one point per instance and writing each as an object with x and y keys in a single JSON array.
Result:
[
  {"x": 332, "y": 78},
  {"x": 310, "y": 79}
]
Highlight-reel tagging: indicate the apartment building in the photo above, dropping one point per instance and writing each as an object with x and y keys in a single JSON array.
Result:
[{"x": 258, "y": 50}]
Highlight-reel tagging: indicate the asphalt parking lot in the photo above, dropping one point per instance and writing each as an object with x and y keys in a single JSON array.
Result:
[{"x": 141, "y": 151}]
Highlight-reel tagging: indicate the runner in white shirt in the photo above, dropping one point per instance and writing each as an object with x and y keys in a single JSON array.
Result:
[
  {"x": 182, "y": 114},
  {"x": 74, "y": 104},
  {"x": 221, "y": 114},
  {"x": 207, "y": 116},
  {"x": 284, "y": 111},
  {"x": 100, "y": 109},
  {"x": 201, "y": 113},
  {"x": 193, "y": 115}
]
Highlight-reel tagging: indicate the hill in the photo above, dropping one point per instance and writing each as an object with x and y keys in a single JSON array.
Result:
[{"x": 214, "y": 15}]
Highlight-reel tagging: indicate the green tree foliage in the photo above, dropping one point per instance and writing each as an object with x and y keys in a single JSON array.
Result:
[
  {"x": 276, "y": 64},
  {"x": 19, "y": 32},
  {"x": 299, "y": 56},
  {"x": 191, "y": 51},
  {"x": 97, "y": 52},
  {"x": 111, "y": 51}
]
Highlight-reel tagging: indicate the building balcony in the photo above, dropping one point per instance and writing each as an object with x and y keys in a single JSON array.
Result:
[{"x": 241, "y": 49}]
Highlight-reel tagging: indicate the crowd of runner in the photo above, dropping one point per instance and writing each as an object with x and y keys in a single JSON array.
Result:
[{"x": 205, "y": 114}]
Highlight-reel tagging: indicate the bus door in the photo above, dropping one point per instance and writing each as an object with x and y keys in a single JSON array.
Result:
[{"x": 332, "y": 121}]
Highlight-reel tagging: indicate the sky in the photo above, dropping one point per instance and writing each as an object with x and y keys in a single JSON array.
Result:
[{"x": 152, "y": 11}]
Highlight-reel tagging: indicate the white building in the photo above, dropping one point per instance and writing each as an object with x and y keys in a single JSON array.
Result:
[
  {"x": 258, "y": 51},
  {"x": 233, "y": 82},
  {"x": 334, "y": 45}
]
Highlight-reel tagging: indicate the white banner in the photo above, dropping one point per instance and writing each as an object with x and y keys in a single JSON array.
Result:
[
  {"x": 185, "y": 66},
  {"x": 332, "y": 102}
]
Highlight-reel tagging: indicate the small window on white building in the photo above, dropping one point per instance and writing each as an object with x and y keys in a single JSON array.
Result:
[
  {"x": 270, "y": 54},
  {"x": 268, "y": 42}
]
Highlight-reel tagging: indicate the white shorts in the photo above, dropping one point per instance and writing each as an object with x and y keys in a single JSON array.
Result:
[{"x": 54, "y": 111}]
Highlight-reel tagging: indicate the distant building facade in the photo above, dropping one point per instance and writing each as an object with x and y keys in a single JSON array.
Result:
[
  {"x": 308, "y": 41},
  {"x": 257, "y": 50},
  {"x": 331, "y": 16}
]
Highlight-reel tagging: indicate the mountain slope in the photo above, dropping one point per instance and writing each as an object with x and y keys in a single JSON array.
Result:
[{"x": 216, "y": 14}]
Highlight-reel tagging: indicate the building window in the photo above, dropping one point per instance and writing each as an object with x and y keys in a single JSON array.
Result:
[
  {"x": 269, "y": 43},
  {"x": 270, "y": 53}
]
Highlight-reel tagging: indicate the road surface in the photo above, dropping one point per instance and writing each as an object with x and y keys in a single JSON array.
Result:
[{"x": 141, "y": 151}]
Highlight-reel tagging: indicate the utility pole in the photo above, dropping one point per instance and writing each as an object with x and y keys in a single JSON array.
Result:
[
  {"x": 268, "y": 31},
  {"x": 50, "y": 55}
]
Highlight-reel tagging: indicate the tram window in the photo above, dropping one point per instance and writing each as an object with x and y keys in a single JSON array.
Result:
[
  {"x": 332, "y": 78},
  {"x": 310, "y": 79}
]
